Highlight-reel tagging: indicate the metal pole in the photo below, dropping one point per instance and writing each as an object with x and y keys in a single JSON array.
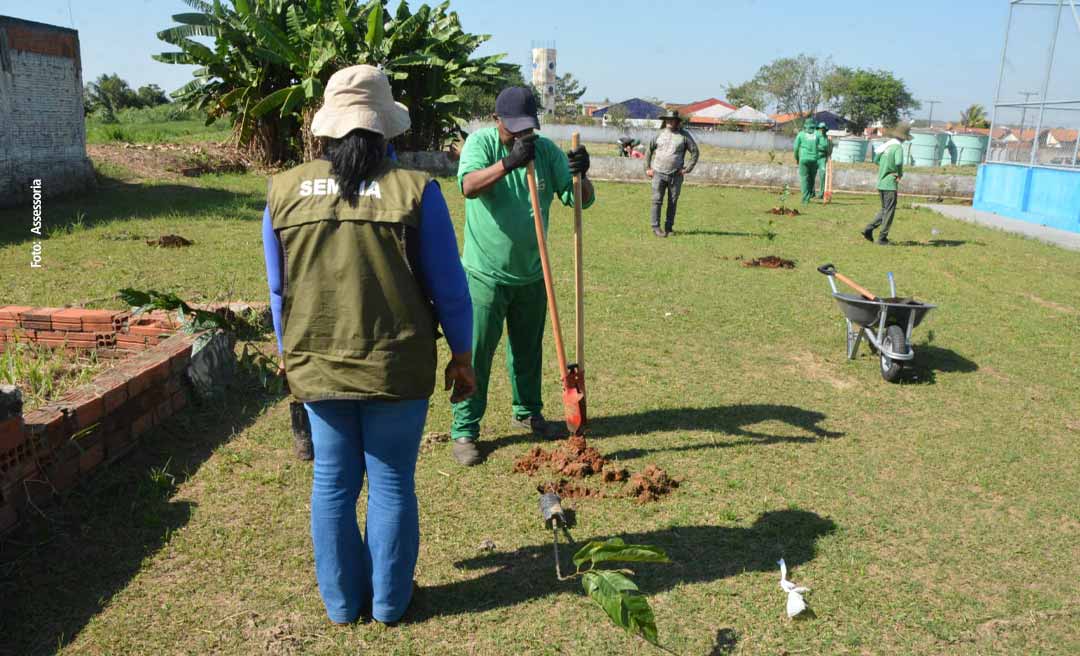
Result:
[
  {"x": 930, "y": 119},
  {"x": 1046, "y": 82},
  {"x": 997, "y": 94},
  {"x": 1076, "y": 148},
  {"x": 1023, "y": 112}
]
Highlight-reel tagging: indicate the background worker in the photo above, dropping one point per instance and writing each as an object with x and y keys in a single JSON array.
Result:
[
  {"x": 806, "y": 156},
  {"x": 355, "y": 312},
  {"x": 890, "y": 159},
  {"x": 824, "y": 147},
  {"x": 666, "y": 164},
  {"x": 502, "y": 259}
]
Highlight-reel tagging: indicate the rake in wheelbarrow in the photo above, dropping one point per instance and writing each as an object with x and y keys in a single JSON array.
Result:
[{"x": 886, "y": 323}]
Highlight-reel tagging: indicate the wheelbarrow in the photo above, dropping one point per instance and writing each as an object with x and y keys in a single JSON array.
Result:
[{"x": 886, "y": 323}]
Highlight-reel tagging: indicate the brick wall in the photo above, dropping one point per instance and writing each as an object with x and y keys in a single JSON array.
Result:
[
  {"x": 42, "y": 129},
  {"x": 47, "y": 451}
]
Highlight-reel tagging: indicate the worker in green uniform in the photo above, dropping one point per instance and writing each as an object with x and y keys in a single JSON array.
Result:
[
  {"x": 824, "y": 153},
  {"x": 806, "y": 156},
  {"x": 502, "y": 258},
  {"x": 890, "y": 160}
]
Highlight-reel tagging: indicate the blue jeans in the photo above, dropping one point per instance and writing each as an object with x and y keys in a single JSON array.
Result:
[{"x": 350, "y": 438}]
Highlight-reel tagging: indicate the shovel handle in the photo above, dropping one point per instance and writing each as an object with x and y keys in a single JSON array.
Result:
[
  {"x": 830, "y": 270},
  {"x": 579, "y": 285},
  {"x": 545, "y": 264}
]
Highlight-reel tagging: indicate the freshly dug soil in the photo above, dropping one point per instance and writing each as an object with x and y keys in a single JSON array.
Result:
[
  {"x": 651, "y": 484},
  {"x": 783, "y": 211},
  {"x": 572, "y": 458},
  {"x": 169, "y": 241},
  {"x": 769, "y": 262},
  {"x": 567, "y": 490}
]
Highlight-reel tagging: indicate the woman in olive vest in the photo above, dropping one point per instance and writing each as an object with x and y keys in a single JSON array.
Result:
[{"x": 363, "y": 264}]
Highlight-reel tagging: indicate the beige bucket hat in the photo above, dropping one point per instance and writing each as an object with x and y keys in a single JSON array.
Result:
[{"x": 359, "y": 97}]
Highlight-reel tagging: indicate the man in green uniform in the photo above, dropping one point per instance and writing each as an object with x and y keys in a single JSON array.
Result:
[
  {"x": 890, "y": 160},
  {"x": 824, "y": 151},
  {"x": 806, "y": 156},
  {"x": 502, "y": 259}
]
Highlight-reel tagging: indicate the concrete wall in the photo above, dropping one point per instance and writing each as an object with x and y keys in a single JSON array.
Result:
[
  {"x": 719, "y": 138},
  {"x": 774, "y": 176},
  {"x": 1041, "y": 195},
  {"x": 42, "y": 129}
]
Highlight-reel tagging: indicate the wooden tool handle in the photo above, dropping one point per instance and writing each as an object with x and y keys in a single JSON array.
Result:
[
  {"x": 579, "y": 280},
  {"x": 545, "y": 264},
  {"x": 859, "y": 288}
]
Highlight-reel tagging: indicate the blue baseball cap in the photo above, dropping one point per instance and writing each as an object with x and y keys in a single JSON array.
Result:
[{"x": 516, "y": 107}]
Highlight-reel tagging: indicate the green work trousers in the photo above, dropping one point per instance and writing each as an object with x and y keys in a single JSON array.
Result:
[
  {"x": 523, "y": 308},
  {"x": 807, "y": 174},
  {"x": 822, "y": 167}
]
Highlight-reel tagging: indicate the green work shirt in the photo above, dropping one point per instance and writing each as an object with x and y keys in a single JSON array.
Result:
[
  {"x": 806, "y": 146},
  {"x": 500, "y": 234},
  {"x": 824, "y": 148},
  {"x": 890, "y": 165}
]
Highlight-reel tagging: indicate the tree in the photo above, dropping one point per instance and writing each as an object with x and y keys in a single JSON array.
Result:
[
  {"x": 865, "y": 96},
  {"x": 567, "y": 93},
  {"x": 271, "y": 60},
  {"x": 478, "y": 99},
  {"x": 747, "y": 93},
  {"x": 974, "y": 117},
  {"x": 617, "y": 116},
  {"x": 151, "y": 95},
  {"x": 107, "y": 95},
  {"x": 793, "y": 84}
]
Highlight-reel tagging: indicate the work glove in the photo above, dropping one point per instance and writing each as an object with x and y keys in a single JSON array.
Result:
[
  {"x": 579, "y": 160},
  {"x": 521, "y": 153}
]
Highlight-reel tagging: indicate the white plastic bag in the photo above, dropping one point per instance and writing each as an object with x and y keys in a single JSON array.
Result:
[{"x": 795, "y": 602}]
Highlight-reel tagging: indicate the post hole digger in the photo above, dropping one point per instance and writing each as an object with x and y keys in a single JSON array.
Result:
[{"x": 573, "y": 374}]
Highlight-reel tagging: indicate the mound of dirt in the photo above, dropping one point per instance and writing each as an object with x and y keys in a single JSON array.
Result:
[
  {"x": 651, "y": 484},
  {"x": 169, "y": 241},
  {"x": 574, "y": 458},
  {"x": 567, "y": 490},
  {"x": 769, "y": 262},
  {"x": 784, "y": 211}
]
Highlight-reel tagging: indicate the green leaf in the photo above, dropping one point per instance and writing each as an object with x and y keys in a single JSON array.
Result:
[
  {"x": 313, "y": 88},
  {"x": 294, "y": 98},
  {"x": 448, "y": 98},
  {"x": 619, "y": 598},
  {"x": 374, "y": 34},
  {"x": 192, "y": 19},
  {"x": 344, "y": 20},
  {"x": 615, "y": 550},
  {"x": 272, "y": 101},
  {"x": 174, "y": 58}
]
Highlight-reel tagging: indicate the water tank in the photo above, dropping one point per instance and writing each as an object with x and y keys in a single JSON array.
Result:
[
  {"x": 850, "y": 149},
  {"x": 970, "y": 148},
  {"x": 926, "y": 148},
  {"x": 948, "y": 154}
]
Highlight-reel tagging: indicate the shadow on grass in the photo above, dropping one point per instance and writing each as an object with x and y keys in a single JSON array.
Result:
[
  {"x": 699, "y": 554},
  {"x": 939, "y": 243},
  {"x": 118, "y": 200},
  {"x": 931, "y": 359},
  {"x": 726, "y": 641},
  {"x": 58, "y": 572},
  {"x": 734, "y": 420}
]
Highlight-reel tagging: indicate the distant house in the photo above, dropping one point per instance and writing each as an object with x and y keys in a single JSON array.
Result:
[
  {"x": 587, "y": 108},
  {"x": 831, "y": 120},
  {"x": 638, "y": 112},
  {"x": 1061, "y": 138},
  {"x": 701, "y": 105}
]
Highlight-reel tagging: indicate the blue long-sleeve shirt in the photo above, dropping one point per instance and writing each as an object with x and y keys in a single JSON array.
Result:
[{"x": 439, "y": 268}]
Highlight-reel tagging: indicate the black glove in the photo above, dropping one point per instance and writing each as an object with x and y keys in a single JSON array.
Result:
[
  {"x": 579, "y": 160},
  {"x": 521, "y": 153}
]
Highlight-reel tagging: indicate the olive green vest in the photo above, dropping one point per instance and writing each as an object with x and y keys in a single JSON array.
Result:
[{"x": 356, "y": 323}]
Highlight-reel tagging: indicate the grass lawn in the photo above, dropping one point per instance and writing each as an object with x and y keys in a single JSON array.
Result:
[
  {"x": 938, "y": 516},
  {"x": 189, "y": 131}
]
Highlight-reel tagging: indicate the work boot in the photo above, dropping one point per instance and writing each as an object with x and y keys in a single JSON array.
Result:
[
  {"x": 669, "y": 232},
  {"x": 539, "y": 426},
  {"x": 658, "y": 232},
  {"x": 465, "y": 452},
  {"x": 884, "y": 242},
  {"x": 868, "y": 234}
]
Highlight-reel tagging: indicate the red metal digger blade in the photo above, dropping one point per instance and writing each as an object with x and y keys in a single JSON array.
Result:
[{"x": 574, "y": 400}]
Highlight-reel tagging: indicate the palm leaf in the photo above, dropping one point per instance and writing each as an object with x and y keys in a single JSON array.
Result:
[{"x": 271, "y": 101}]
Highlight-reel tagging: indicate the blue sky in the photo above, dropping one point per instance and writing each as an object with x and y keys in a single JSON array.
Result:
[{"x": 946, "y": 50}]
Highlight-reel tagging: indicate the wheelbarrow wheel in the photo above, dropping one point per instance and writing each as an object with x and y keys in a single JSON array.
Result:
[{"x": 896, "y": 343}]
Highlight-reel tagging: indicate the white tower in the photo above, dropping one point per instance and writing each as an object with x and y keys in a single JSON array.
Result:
[{"x": 543, "y": 75}]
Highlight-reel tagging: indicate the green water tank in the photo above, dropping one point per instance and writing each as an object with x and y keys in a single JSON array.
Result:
[
  {"x": 970, "y": 148},
  {"x": 926, "y": 148},
  {"x": 850, "y": 149}
]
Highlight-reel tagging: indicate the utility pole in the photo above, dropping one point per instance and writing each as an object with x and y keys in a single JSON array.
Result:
[
  {"x": 930, "y": 120},
  {"x": 1023, "y": 112}
]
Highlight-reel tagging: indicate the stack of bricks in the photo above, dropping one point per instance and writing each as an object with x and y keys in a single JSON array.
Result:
[
  {"x": 76, "y": 328},
  {"x": 47, "y": 451}
]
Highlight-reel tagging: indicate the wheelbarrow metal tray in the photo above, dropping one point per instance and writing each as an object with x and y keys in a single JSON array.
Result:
[{"x": 865, "y": 312}]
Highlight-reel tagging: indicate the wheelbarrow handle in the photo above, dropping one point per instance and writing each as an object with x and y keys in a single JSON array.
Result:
[{"x": 828, "y": 269}]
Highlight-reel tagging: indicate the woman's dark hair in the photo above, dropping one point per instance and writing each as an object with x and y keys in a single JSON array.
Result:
[{"x": 355, "y": 158}]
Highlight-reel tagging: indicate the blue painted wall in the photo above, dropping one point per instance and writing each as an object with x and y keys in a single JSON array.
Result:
[{"x": 1036, "y": 194}]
